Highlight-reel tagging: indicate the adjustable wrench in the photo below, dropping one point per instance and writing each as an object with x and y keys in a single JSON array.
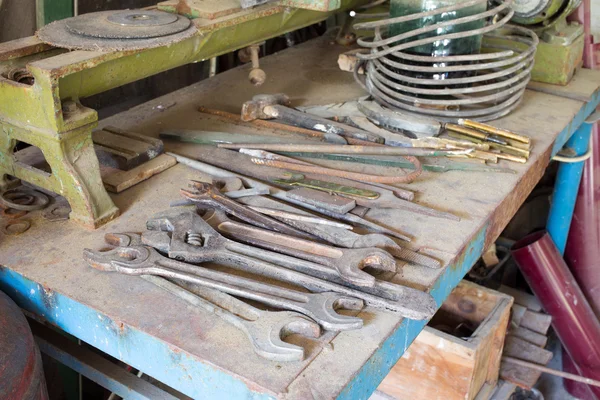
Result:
[
  {"x": 347, "y": 262},
  {"x": 194, "y": 241},
  {"x": 143, "y": 260},
  {"x": 264, "y": 329}
]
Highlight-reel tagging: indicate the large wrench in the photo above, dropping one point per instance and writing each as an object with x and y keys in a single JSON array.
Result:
[
  {"x": 143, "y": 260},
  {"x": 194, "y": 241},
  {"x": 206, "y": 195},
  {"x": 347, "y": 262},
  {"x": 265, "y": 329}
]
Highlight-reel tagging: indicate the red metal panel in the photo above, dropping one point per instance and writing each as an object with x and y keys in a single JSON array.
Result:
[{"x": 21, "y": 371}]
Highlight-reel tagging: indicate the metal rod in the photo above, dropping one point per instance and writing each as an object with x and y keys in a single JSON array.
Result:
[
  {"x": 551, "y": 371},
  {"x": 347, "y": 149}
]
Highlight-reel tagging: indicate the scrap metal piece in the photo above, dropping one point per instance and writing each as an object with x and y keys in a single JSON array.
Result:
[
  {"x": 99, "y": 34},
  {"x": 59, "y": 211},
  {"x": 334, "y": 203},
  {"x": 124, "y": 150},
  {"x": 8, "y": 199},
  {"x": 142, "y": 260},
  {"x": 16, "y": 226},
  {"x": 11, "y": 213},
  {"x": 414, "y": 125}
]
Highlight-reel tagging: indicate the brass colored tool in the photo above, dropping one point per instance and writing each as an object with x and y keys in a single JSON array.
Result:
[
  {"x": 515, "y": 151},
  {"x": 510, "y": 157},
  {"x": 493, "y": 130},
  {"x": 299, "y": 180},
  {"x": 511, "y": 150},
  {"x": 486, "y": 137}
]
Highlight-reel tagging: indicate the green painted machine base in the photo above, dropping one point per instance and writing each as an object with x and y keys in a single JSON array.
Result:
[
  {"x": 556, "y": 63},
  {"x": 75, "y": 172}
]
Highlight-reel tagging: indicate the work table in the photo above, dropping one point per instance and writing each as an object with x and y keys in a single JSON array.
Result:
[{"x": 200, "y": 355}]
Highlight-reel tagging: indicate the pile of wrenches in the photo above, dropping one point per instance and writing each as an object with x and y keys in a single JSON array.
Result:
[{"x": 317, "y": 279}]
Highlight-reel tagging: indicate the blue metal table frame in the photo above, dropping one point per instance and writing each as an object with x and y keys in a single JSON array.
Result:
[{"x": 186, "y": 374}]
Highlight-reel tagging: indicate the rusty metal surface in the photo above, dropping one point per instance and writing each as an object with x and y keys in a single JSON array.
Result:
[
  {"x": 129, "y": 304},
  {"x": 21, "y": 371}
]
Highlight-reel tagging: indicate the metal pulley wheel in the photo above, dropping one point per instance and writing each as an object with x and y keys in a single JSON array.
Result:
[{"x": 118, "y": 30}]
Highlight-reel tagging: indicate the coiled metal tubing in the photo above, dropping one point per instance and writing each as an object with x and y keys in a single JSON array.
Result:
[{"x": 494, "y": 80}]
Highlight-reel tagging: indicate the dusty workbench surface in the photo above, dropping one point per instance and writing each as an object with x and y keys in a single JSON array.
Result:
[{"x": 201, "y": 355}]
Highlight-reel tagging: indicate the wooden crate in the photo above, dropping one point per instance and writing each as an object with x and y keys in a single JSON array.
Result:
[{"x": 439, "y": 365}]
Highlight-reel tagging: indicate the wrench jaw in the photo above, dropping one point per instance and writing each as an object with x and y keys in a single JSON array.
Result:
[
  {"x": 190, "y": 236},
  {"x": 120, "y": 259},
  {"x": 323, "y": 308},
  {"x": 267, "y": 334},
  {"x": 384, "y": 242}
]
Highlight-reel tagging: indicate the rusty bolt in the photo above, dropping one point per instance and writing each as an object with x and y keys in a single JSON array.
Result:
[{"x": 69, "y": 106}]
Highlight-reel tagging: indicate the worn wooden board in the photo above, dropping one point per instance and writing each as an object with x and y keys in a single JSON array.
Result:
[
  {"x": 526, "y": 300},
  {"x": 116, "y": 181},
  {"x": 310, "y": 75},
  {"x": 524, "y": 350}
]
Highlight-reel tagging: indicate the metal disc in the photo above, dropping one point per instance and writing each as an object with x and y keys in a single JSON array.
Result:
[
  {"x": 128, "y": 24},
  {"x": 98, "y": 33}
]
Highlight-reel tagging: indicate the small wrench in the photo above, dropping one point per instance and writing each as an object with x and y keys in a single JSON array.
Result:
[
  {"x": 347, "y": 262},
  {"x": 194, "y": 241},
  {"x": 143, "y": 260},
  {"x": 206, "y": 195}
]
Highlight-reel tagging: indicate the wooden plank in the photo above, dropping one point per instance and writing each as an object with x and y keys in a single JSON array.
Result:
[
  {"x": 527, "y": 334},
  {"x": 116, "y": 181},
  {"x": 519, "y": 348},
  {"x": 521, "y": 298},
  {"x": 536, "y": 322}
]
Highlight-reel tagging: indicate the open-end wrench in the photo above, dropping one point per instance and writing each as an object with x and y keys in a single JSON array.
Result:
[
  {"x": 347, "y": 262},
  {"x": 186, "y": 243},
  {"x": 207, "y": 195},
  {"x": 143, "y": 260},
  {"x": 194, "y": 241},
  {"x": 264, "y": 329}
]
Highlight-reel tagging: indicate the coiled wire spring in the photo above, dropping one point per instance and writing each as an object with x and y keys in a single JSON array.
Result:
[{"x": 493, "y": 82}]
